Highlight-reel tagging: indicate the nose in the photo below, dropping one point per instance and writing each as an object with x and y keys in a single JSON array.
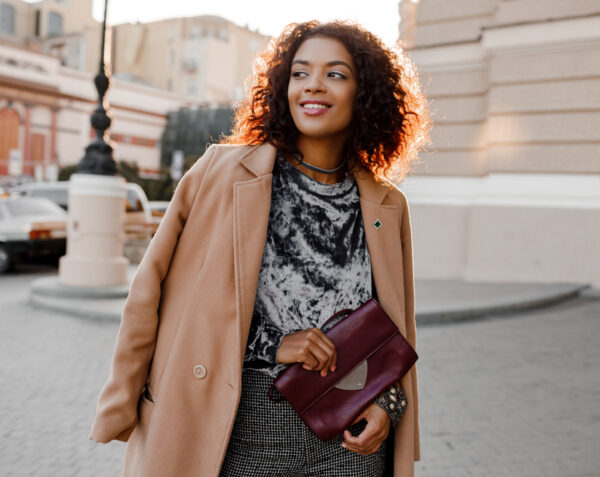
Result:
[{"x": 314, "y": 85}]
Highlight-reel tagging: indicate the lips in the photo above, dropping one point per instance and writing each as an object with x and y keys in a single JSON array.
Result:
[{"x": 314, "y": 108}]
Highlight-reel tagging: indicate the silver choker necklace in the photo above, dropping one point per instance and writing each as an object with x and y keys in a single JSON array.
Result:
[{"x": 318, "y": 169}]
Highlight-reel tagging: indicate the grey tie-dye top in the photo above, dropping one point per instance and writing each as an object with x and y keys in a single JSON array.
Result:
[{"x": 315, "y": 263}]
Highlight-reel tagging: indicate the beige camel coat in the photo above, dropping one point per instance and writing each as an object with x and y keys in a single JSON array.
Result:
[{"x": 186, "y": 321}]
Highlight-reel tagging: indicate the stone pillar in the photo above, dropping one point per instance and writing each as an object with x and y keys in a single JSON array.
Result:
[{"x": 95, "y": 235}]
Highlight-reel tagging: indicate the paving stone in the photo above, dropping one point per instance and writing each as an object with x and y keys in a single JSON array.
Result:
[{"x": 511, "y": 396}]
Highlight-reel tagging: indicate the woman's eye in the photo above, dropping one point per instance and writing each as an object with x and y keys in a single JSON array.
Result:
[
  {"x": 336, "y": 74},
  {"x": 299, "y": 74}
]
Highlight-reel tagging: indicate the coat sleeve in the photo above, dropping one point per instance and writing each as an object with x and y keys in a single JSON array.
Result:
[{"x": 116, "y": 413}]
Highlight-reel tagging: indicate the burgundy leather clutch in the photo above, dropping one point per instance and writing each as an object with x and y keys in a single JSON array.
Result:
[{"x": 372, "y": 355}]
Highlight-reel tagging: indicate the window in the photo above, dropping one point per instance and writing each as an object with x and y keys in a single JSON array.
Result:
[
  {"x": 7, "y": 19},
  {"x": 31, "y": 206},
  {"x": 55, "y": 24},
  {"x": 223, "y": 34},
  {"x": 192, "y": 88},
  {"x": 197, "y": 31},
  {"x": 171, "y": 58},
  {"x": 38, "y": 16}
]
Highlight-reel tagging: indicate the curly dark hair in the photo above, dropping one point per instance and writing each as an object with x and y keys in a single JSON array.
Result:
[{"x": 390, "y": 121}]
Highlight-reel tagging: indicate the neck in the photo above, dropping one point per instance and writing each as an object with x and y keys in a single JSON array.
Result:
[{"x": 326, "y": 154}]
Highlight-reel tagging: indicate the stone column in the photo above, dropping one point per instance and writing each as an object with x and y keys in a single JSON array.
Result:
[{"x": 95, "y": 232}]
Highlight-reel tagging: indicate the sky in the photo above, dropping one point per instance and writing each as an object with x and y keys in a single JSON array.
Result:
[{"x": 268, "y": 16}]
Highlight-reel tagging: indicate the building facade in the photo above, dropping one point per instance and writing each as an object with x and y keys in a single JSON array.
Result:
[
  {"x": 510, "y": 188},
  {"x": 45, "y": 111},
  {"x": 61, "y": 28},
  {"x": 49, "y": 52},
  {"x": 206, "y": 57}
]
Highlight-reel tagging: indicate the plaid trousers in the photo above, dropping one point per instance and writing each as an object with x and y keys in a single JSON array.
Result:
[{"x": 270, "y": 440}]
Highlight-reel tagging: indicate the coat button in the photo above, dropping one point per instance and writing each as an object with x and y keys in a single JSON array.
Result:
[{"x": 199, "y": 371}]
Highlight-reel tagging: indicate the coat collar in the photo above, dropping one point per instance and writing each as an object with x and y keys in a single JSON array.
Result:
[{"x": 259, "y": 160}]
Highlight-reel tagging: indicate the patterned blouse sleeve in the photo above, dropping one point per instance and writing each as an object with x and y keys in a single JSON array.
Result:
[
  {"x": 394, "y": 402},
  {"x": 264, "y": 343}
]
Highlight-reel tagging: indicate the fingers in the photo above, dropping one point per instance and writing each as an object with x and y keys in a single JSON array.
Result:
[
  {"x": 366, "y": 443},
  {"x": 317, "y": 352},
  {"x": 325, "y": 345},
  {"x": 371, "y": 438}
]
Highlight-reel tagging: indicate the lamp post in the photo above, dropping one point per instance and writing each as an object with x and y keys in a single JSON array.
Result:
[
  {"x": 98, "y": 158},
  {"x": 95, "y": 236}
]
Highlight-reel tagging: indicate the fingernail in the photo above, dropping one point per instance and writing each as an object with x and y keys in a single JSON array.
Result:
[{"x": 332, "y": 369}]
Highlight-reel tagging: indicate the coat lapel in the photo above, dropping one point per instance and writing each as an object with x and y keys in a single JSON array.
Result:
[
  {"x": 252, "y": 202},
  {"x": 382, "y": 229}
]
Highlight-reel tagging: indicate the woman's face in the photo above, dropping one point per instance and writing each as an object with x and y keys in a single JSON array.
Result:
[{"x": 322, "y": 88}]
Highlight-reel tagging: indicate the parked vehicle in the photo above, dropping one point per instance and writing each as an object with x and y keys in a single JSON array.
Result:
[
  {"x": 139, "y": 222},
  {"x": 158, "y": 208},
  {"x": 30, "y": 227}
]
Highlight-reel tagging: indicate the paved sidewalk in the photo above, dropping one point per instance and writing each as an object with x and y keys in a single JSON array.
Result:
[
  {"x": 438, "y": 301},
  {"x": 514, "y": 396}
]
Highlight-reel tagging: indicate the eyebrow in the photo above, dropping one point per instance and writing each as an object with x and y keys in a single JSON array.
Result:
[{"x": 331, "y": 63}]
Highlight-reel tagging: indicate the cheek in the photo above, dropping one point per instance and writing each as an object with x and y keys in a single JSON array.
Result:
[
  {"x": 349, "y": 102},
  {"x": 292, "y": 92}
]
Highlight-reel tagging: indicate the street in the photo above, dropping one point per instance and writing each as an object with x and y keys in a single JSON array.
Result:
[{"x": 510, "y": 396}]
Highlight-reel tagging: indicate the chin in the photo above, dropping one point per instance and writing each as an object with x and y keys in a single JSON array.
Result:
[{"x": 321, "y": 134}]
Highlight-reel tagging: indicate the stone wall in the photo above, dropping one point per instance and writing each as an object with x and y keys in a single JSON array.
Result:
[{"x": 510, "y": 188}]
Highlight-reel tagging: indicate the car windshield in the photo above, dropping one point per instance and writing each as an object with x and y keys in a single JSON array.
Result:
[
  {"x": 30, "y": 206},
  {"x": 134, "y": 204}
]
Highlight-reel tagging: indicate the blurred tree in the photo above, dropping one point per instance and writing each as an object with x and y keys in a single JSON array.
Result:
[
  {"x": 64, "y": 173},
  {"x": 192, "y": 131}
]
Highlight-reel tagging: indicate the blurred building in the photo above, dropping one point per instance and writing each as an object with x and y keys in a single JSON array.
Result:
[
  {"x": 510, "y": 189},
  {"x": 205, "y": 56},
  {"x": 45, "y": 111},
  {"x": 61, "y": 28},
  {"x": 49, "y": 53}
]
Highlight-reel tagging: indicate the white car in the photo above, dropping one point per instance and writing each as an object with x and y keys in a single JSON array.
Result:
[
  {"x": 30, "y": 227},
  {"x": 139, "y": 222},
  {"x": 158, "y": 208}
]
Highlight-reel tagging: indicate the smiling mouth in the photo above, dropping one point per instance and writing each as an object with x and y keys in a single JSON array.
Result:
[
  {"x": 315, "y": 106},
  {"x": 314, "y": 109}
]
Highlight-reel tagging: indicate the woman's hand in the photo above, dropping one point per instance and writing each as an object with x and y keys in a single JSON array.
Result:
[
  {"x": 311, "y": 347},
  {"x": 371, "y": 438}
]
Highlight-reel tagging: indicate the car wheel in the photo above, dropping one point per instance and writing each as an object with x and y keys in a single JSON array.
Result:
[{"x": 5, "y": 259}]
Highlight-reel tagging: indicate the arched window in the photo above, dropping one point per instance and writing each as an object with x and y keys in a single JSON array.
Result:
[
  {"x": 7, "y": 19},
  {"x": 55, "y": 24}
]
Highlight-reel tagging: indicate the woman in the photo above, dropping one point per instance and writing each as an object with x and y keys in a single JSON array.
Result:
[{"x": 267, "y": 236}]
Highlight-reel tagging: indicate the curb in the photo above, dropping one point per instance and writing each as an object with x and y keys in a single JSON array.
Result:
[
  {"x": 51, "y": 287},
  {"x": 106, "y": 304},
  {"x": 507, "y": 305}
]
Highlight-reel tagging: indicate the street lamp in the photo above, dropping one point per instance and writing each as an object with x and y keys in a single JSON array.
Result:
[
  {"x": 98, "y": 157},
  {"x": 97, "y": 193}
]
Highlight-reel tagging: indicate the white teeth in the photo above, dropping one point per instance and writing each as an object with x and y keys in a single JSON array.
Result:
[{"x": 314, "y": 106}]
